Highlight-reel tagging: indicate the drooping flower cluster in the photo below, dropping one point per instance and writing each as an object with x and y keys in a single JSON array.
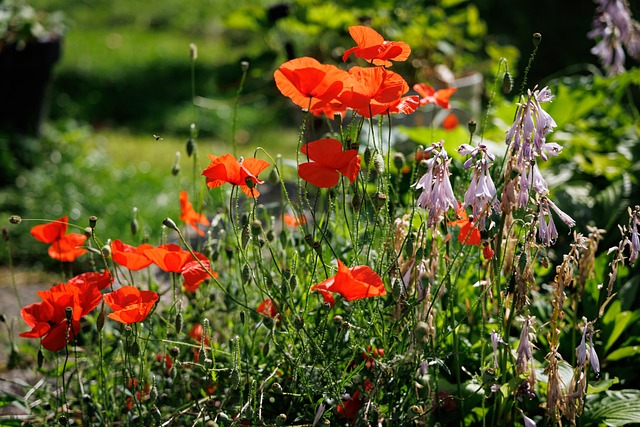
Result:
[
  {"x": 437, "y": 194},
  {"x": 481, "y": 194},
  {"x": 614, "y": 30},
  {"x": 528, "y": 139}
]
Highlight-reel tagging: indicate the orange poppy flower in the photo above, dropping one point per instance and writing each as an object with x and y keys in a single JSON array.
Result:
[
  {"x": 308, "y": 83},
  {"x": 450, "y": 122},
  {"x": 170, "y": 258},
  {"x": 328, "y": 159},
  {"x": 374, "y": 84},
  {"x": 487, "y": 252},
  {"x": 405, "y": 105},
  {"x": 268, "y": 308},
  {"x": 130, "y": 305},
  {"x": 129, "y": 256},
  {"x": 99, "y": 280},
  {"x": 227, "y": 169},
  {"x": 431, "y": 96},
  {"x": 190, "y": 216},
  {"x": 469, "y": 233},
  {"x": 353, "y": 283},
  {"x": 64, "y": 247},
  {"x": 350, "y": 406},
  {"x": 292, "y": 220},
  {"x": 48, "y": 319},
  {"x": 372, "y": 47},
  {"x": 193, "y": 273}
]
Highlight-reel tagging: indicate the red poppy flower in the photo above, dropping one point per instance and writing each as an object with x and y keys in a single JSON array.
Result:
[
  {"x": 487, "y": 252},
  {"x": 292, "y": 220},
  {"x": 170, "y": 258},
  {"x": 227, "y": 169},
  {"x": 190, "y": 216},
  {"x": 353, "y": 283},
  {"x": 268, "y": 308},
  {"x": 329, "y": 161},
  {"x": 48, "y": 319},
  {"x": 64, "y": 247},
  {"x": 373, "y": 47},
  {"x": 99, "y": 280},
  {"x": 349, "y": 407},
  {"x": 431, "y": 96},
  {"x": 194, "y": 274},
  {"x": 130, "y": 305},
  {"x": 450, "y": 122},
  {"x": 197, "y": 332},
  {"x": 469, "y": 233},
  {"x": 310, "y": 84},
  {"x": 405, "y": 105},
  {"x": 374, "y": 85},
  {"x": 130, "y": 257}
]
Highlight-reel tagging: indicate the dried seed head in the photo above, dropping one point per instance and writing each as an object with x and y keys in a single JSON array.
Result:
[
  {"x": 472, "y": 126},
  {"x": 88, "y": 232},
  {"x": 15, "y": 219},
  {"x": 193, "y": 51},
  {"x": 537, "y": 38},
  {"x": 92, "y": 221}
]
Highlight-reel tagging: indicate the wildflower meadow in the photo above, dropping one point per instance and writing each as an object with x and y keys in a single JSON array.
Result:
[{"x": 361, "y": 279}]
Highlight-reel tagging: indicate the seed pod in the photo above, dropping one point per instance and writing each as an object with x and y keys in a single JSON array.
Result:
[
  {"x": 15, "y": 219},
  {"x": 134, "y": 222},
  {"x": 398, "y": 160},
  {"x": 367, "y": 155},
  {"x": 537, "y": 38},
  {"x": 92, "y": 221},
  {"x": 168, "y": 222},
  {"x": 256, "y": 227},
  {"x": 507, "y": 83},
  {"x": 100, "y": 320},
  {"x": 378, "y": 163},
  {"x": 178, "y": 323},
  {"x": 175, "y": 170},
  {"x": 191, "y": 146},
  {"x": 246, "y": 274},
  {"x": 472, "y": 126}
]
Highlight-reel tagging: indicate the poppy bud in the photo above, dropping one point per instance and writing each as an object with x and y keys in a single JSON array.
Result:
[
  {"x": 134, "y": 221},
  {"x": 472, "y": 126},
  {"x": 256, "y": 227},
  {"x": 175, "y": 170},
  {"x": 378, "y": 163},
  {"x": 15, "y": 219},
  {"x": 193, "y": 51},
  {"x": 246, "y": 274},
  {"x": 249, "y": 182},
  {"x": 92, "y": 221},
  {"x": 168, "y": 222},
  {"x": 178, "y": 323},
  {"x": 273, "y": 176},
  {"x": 5, "y": 234},
  {"x": 100, "y": 320},
  {"x": 270, "y": 235},
  {"x": 507, "y": 83},
  {"x": 40, "y": 358},
  {"x": 367, "y": 155},
  {"x": 398, "y": 160},
  {"x": 356, "y": 202},
  {"x": 537, "y": 38},
  {"x": 3, "y": 318},
  {"x": 245, "y": 235},
  {"x": 134, "y": 348},
  {"x": 317, "y": 247},
  {"x": 191, "y": 146}
]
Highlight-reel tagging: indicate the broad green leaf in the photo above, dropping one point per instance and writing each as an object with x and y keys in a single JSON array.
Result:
[
  {"x": 623, "y": 353},
  {"x": 621, "y": 322},
  {"x": 602, "y": 385},
  {"x": 618, "y": 412}
]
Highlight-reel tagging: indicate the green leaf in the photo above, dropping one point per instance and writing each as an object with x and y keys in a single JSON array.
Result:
[
  {"x": 602, "y": 385},
  {"x": 617, "y": 409},
  {"x": 623, "y": 353},
  {"x": 621, "y": 322}
]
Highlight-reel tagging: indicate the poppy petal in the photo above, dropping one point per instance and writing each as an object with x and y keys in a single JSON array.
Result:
[
  {"x": 318, "y": 175},
  {"x": 52, "y": 231}
]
